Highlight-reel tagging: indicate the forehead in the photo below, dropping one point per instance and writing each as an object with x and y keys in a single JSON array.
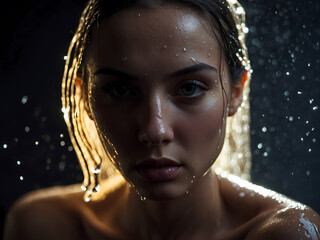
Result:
[{"x": 169, "y": 29}]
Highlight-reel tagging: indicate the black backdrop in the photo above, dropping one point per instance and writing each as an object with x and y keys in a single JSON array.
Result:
[{"x": 284, "y": 48}]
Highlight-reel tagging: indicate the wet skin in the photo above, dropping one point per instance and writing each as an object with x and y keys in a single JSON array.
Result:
[
  {"x": 159, "y": 88},
  {"x": 155, "y": 92}
]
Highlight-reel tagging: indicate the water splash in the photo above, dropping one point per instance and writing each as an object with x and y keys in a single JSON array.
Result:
[{"x": 310, "y": 230}]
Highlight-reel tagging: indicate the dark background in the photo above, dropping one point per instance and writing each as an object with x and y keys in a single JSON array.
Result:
[{"x": 284, "y": 48}]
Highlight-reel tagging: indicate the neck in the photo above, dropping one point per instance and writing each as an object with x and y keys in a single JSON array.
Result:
[{"x": 199, "y": 210}]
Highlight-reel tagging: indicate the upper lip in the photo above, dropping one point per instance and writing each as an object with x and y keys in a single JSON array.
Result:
[{"x": 158, "y": 162}]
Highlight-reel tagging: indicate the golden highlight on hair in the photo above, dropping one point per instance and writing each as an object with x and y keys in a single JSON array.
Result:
[{"x": 96, "y": 161}]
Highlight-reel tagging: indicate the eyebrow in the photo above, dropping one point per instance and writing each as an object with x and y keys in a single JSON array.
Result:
[
  {"x": 123, "y": 75},
  {"x": 193, "y": 68}
]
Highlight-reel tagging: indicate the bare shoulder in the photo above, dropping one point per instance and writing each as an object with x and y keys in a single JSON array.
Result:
[
  {"x": 266, "y": 214},
  {"x": 39, "y": 214},
  {"x": 288, "y": 223}
]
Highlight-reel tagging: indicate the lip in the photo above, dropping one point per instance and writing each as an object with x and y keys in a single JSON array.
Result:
[{"x": 160, "y": 169}]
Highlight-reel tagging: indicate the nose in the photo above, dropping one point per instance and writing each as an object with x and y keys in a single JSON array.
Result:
[{"x": 155, "y": 123}]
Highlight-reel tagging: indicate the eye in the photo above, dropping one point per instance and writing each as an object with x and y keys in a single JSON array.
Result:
[
  {"x": 118, "y": 89},
  {"x": 192, "y": 89}
]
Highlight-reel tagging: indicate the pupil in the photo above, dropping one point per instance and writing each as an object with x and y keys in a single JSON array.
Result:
[
  {"x": 188, "y": 89},
  {"x": 121, "y": 90}
]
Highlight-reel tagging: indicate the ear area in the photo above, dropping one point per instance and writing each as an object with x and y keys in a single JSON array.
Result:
[{"x": 237, "y": 94}]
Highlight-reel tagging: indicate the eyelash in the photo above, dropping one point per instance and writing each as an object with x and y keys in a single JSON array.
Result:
[
  {"x": 200, "y": 87},
  {"x": 109, "y": 89}
]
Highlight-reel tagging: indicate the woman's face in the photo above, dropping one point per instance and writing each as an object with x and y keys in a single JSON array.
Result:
[{"x": 155, "y": 93}]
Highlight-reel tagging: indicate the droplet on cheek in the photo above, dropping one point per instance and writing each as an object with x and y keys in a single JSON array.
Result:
[{"x": 124, "y": 60}]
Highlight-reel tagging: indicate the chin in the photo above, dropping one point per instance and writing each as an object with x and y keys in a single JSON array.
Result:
[{"x": 161, "y": 191}]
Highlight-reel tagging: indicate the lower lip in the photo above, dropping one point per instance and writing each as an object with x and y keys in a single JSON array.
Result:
[{"x": 159, "y": 173}]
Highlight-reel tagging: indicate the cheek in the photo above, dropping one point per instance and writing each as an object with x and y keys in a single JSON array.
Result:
[{"x": 202, "y": 132}]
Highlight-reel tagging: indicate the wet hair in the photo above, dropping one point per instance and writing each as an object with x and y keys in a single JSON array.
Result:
[{"x": 226, "y": 16}]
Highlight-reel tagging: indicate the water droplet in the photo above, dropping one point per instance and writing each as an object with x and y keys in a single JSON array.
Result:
[
  {"x": 62, "y": 166},
  {"x": 193, "y": 177},
  {"x": 18, "y": 163},
  {"x": 291, "y": 118},
  {"x": 88, "y": 199},
  {"x": 70, "y": 148},
  {"x": 286, "y": 93},
  {"x": 24, "y": 99},
  {"x": 239, "y": 10},
  {"x": 309, "y": 150},
  {"x": 5, "y": 146},
  {"x": 315, "y": 108},
  {"x": 27, "y": 129},
  {"x": 36, "y": 143},
  {"x": 96, "y": 188},
  {"x": 260, "y": 145},
  {"x": 143, "y": 198},
  {"x": 299, "y": 92},
  {"x": 21, "y": 178},
  {"x": 242, "y": 194},
  {"x": 193, "y": 59},
  {"x": 184, "y": 49},
  {"x": 311, "y": 100},
  {"x": 264, "y": 129},
  {"x": 308, "y": 173},
  {"x": 65, "y": 57},
  {"x": 61, "y": 135},
  {"x": 187, "y": 192}
]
